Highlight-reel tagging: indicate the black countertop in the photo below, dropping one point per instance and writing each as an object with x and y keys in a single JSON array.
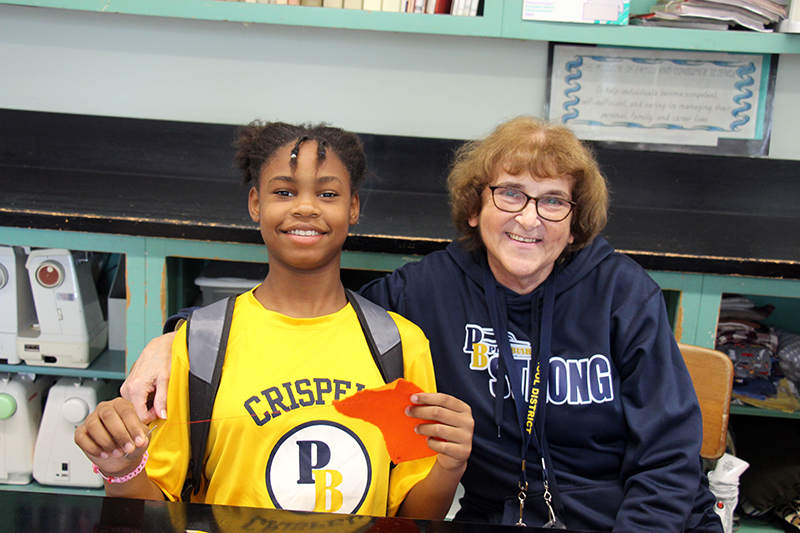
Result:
[
  {"x": 28, "y": 512},
  {"x": 678, "y": 212}
]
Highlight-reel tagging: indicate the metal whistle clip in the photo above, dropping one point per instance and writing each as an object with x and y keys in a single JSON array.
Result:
[
  {"x": 554, "y": 522},
  {"x": 521, "y": 496}
]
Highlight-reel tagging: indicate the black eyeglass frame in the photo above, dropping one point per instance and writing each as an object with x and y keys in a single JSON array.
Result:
[{"x": 572, "y": 205}]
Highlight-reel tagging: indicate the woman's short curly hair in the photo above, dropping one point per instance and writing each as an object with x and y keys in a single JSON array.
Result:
[
  {"x": 543, "y": 149},
  {"x": 258, "y": 142}
]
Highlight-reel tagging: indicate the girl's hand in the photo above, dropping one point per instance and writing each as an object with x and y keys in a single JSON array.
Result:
[
  {"x": 113, "y": 438},
  {"x": 451, "y": 433}
]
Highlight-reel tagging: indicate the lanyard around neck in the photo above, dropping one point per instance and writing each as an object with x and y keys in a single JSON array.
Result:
[{"x": 529, "y": 404}]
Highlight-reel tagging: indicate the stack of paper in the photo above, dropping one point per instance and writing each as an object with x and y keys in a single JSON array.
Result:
[{"x": 757, "y": 15}]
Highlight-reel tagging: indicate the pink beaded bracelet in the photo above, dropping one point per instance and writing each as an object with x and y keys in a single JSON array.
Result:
[{"x": 125, "y": 478}]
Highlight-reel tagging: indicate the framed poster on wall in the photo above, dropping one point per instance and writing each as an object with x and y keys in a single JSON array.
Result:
[{"x": 702, "y": 102}]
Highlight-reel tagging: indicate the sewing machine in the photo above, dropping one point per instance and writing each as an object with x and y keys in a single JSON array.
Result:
[
  {"x": 70, "y": 330},
  {"x": 16, "y": 301},
  {"x": 21, "y": 402},
  {"x": 57, "y": 460}
]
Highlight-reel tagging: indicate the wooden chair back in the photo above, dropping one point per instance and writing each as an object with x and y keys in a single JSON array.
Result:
[{"x": 712, "y": 377}]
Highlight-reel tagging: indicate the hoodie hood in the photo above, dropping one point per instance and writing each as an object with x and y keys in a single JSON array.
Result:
[{"x": 577, "y": 266}]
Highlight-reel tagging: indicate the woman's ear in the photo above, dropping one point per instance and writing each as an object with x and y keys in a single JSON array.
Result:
[
  {"x": 253, "y": 205},
  {"x": 355, "y": 209}
]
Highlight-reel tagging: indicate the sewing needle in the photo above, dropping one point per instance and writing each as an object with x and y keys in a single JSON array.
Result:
[{"x": 148, "y": 434}]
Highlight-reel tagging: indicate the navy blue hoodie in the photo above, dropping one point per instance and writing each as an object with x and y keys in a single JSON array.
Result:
[{"x": 622, "y": 423}]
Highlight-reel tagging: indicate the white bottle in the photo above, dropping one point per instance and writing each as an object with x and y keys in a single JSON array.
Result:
[{"x": 724, "y": 484}]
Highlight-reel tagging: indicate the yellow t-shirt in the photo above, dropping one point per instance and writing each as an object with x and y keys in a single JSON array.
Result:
[{"x": 275, "y": 440}]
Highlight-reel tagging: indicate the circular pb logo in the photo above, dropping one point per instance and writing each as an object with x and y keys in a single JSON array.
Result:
[{"x": 319, "y": 466}]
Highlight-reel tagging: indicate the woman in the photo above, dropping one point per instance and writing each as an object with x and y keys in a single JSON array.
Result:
[{"x": 584, "y": 412}]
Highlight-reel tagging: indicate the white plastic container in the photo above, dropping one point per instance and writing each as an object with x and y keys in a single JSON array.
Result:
[
  {"x": 57, "y": 460},
  {"x": 221, "y": 279},
  {"x": 21, "y": 402}
]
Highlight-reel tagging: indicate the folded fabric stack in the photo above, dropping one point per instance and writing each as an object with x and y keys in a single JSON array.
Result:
[
  {"x": 761, "y": 361},
  {"x": 750, "y": 344}
]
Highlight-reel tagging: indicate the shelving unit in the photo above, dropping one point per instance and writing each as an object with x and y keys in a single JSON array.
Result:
[
  {"x": 109, "y": 364},
  {"x": 501, "y": 19}
]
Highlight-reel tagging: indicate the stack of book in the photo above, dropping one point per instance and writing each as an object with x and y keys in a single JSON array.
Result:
[
  {"x": 756, "y": 15},
  {"x": 450, "y": 7}
]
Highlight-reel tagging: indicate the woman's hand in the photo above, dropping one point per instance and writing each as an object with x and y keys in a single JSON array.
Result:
[{"x": 149, "y": 378}]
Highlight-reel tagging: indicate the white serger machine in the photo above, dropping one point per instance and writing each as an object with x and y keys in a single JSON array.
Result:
[
  {"x": 57, "y": 460},
  {"x": 21, "y": 402},
  {"x": 16, "y": 301},
  {"x": 70, "y": 330}
]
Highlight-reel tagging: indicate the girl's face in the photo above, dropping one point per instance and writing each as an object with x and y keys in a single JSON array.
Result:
[
  {"x": 522, "y": 247},
  {"x": 304, "y": 214}
]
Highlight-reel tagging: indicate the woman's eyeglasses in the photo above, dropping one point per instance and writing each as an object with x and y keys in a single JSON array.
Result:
[{"x": 550, "y": 208}]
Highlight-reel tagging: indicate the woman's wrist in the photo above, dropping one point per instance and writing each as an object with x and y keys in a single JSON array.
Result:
[{"x": 122, "y": 479}]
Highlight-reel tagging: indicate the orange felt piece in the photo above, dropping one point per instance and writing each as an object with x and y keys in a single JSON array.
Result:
[{"x": 385, "y": 407}]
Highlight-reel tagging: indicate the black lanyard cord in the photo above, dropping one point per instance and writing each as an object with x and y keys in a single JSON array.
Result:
[{"x": 531, "y": 407}]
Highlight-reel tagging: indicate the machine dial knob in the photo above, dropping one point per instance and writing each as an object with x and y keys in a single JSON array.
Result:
[
  {"x": 8, "y": 406},
  {"x": 3, "y": 276},
  {"x": 75, "y": 410},
  {"x": 50, "y": 274}
]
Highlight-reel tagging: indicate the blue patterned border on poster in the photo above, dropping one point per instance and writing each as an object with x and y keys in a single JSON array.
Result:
[
  {"x": 740, "y": 115},
  {"x": 702, "y": 102}
]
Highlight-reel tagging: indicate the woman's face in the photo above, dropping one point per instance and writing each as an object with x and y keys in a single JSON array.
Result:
[{"x": 523, "y": 247}]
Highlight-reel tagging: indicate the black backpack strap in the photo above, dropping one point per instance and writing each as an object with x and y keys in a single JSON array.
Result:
[
  {"x": 207, "y": 340},
  {"x": 383, "y": 337}
]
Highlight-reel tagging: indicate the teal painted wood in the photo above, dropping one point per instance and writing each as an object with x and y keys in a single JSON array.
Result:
[
  {"x": 376, "y": 261},
  {"x": 690, "y": 287},
  {"x": 708, "y": 313},
  {"x": 33, "y": 486},
  {"x": 755, "y": 411},
  {"x": 502, "y": 18},
  {"x": 110, "y": 364},
  {"x": 158, "y": 250}
]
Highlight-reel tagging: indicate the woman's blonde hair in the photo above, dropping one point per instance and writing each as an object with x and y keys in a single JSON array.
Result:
[{"x": 545, "y": 150}]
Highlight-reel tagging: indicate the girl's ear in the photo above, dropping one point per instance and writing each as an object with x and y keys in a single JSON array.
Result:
[
  {"x": 355, "y": 209},
  {"x": 253, "y": 205}
]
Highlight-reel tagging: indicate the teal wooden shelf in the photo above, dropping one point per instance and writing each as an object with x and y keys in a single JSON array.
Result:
[
  {"x": 33, "y": 486},
  {"x": 758, "y": 525},
  {"x": 755, "y": 411},
  {"x": 501, "y": 19},
  {"x": 109, "y": 365}
]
